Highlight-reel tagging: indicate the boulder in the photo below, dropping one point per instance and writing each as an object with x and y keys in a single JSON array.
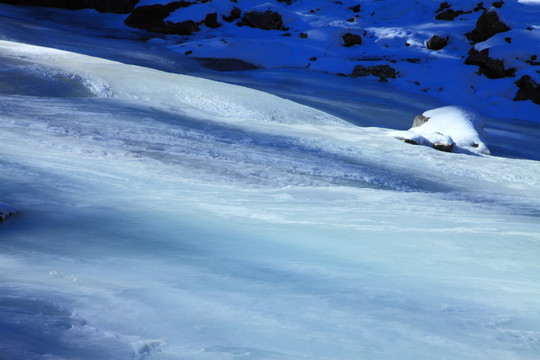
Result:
[
  {"x": 419, "y": 120},
  {"x": 6, "y": 211},
  {"x": 211, "y": 21},
  {"x": 528, "y": 90},
  {"x": 235, "y": 14},
  {"x": 383, "y": 72},
  {"x": 351, "y": 39},
  {"x": 492, "y": 68},
  {"x": 447, "y": 129},
  {"x": 449, "y": 14},
  {"x": 151, "y": 18},
  {"x": 488, "y": 24},
  {"x": 268, "y": 20},
  {"x": 437, "y": 43},
  {"x": 114, "y": 6},
  {"x": 443, "y": 6}
]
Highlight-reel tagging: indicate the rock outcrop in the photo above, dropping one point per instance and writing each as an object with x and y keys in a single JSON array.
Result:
[
  {"x": 492, "y": 68},
  {"x": 528, "y": 90},
  {"x": 449, "y": 14},
  {"x": 113, "y": 6},
  {"x": 383, "y": 72},
  {"x": 151, "y": 18},
  {"x": 268, "y": 20},
  {"x": 488, "y": 24}
]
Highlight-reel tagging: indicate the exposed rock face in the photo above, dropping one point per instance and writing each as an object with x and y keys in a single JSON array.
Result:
[
  {"x": 437, "y": 43},
  {"x": 6, "y": 211},
  {"x": 351, "y": 39},
  {"x": 114, "y": 6},
  {"x": 268, "y": 20},
  {"x": 488, "y": 24},
  {"x": 383, "y": 72},
  {"x": 528, "y": 90},
  {"x": 492, "y": 68},
  {"x": 151, "y": 18}
]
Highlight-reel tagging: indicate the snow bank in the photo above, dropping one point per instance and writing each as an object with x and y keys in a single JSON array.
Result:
[{"x": 448, "y": 127}]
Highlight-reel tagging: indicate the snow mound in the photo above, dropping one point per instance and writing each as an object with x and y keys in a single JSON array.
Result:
[
  {"x": 6, "y": 211},
  {"x": 449, "y": 128}
]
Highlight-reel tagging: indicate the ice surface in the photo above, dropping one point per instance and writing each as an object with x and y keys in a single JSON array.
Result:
[{"x": 170, "y": 216}]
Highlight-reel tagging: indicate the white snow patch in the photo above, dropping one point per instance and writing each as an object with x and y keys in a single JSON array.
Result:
[{"x": 447, "y": 125}]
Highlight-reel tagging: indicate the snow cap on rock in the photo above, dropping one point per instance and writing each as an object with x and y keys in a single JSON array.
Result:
[{"x": 448, "y": 125}]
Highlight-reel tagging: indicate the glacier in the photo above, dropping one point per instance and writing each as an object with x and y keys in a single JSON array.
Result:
[{"x": 169, "y": 216}]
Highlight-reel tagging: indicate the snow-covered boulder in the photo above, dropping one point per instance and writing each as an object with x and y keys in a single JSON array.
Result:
[
  {"x": 6, "y": 211},
  {"x": 449, "y": 128}
]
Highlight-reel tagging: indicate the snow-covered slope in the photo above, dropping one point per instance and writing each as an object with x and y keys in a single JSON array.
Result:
[
  {"x": 392, "y": 33},
  {"x": 165, "y": 216}
]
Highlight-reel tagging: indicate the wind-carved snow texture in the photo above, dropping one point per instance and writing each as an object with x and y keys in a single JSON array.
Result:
[{"x": 172, "y": 217}]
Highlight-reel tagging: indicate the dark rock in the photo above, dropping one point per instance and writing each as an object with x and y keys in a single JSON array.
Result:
[
  {"x": 114, "y": 6},
  {"x": 532, "y": 60},
  {"x": 488, "y": 24},
  {"x": 419, "y": 120},
  {"x": 450, "y": 15},
  {"x": 443, "y": 6},
  {"x": 150, "y": 18},
  {"x": 351, "y": 39},
  {"x": 303, "y": 36},
  {"x": 235, "y": 14},
  {"x": 356, "y": 8},
  {"x": 268, "y": 20},
  {"x": 211, "y": 21},
  {"x": 6, "y": 211},
  {"x": 437, "y": 43},
  {"x": 479, "y": 6},
  {"x": 288, "y": 2},
  {"x": 383, "y": 72},
  {"x": 492, "y": 68},
  {"x": 498, "y": 4},
  {"x": 443, "y": 146},
  {"x": 528, "y": 90},
  {"x": 226, "y": 64},
  {"x": 314, "y": 58}
]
